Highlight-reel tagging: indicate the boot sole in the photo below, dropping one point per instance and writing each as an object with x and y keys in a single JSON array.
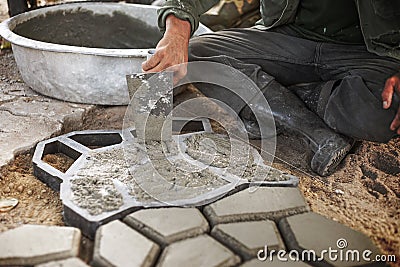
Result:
[{"x": 328, "y": 167}]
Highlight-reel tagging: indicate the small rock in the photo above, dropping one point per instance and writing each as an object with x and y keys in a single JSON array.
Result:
[
  {"x": 7, "y": 190},
  {"x": 7, "y": 204},
  {"x": 20, "y": 188},
  {"x": 11, "y": 185},
  {"x": 29, "y": 192},
  {"x": 44, "y": 191},
  {"x": 339, "y": 192},
  {"x": 46, "y": 201}
]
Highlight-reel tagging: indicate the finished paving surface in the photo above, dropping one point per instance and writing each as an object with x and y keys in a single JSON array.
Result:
[{"x": 191, "y": 237}]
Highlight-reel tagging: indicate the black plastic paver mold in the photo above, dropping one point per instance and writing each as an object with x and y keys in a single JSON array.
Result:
[
  {"x": 88, "y": 226},
  {"x": 84, "y": 146},
  {"x": 74, "y": 145},
  {"x": 94, "y": 141},
  {"x": 182, "y": 125},
  {"x": 47, "y": 173}
]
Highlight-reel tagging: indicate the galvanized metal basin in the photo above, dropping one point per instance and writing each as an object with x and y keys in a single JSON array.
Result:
[{"x": 81, "y": 52}]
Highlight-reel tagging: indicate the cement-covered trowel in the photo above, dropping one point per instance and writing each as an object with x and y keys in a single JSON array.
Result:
[{"x": 151, "y": 97}]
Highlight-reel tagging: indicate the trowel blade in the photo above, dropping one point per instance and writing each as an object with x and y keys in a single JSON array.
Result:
[{"x": 151, "y": 103}]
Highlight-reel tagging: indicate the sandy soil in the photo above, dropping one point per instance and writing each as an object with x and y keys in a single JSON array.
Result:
[
  {"x": 38, "y": 204},
  {"x": 363, "y": 194}
]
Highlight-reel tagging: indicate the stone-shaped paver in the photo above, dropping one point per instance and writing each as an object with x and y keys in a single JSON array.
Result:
[
  {"x": 311, "y": 231},
  {"x": 274, "y": 263},
  {"x": 247, "y": 238},
  {"x": 19, "y": 133},
  {"x": 198, "y": 251},
  {"x": 167, "y": 225},
  {"x": 71, "y": 262},
  {"x": 35, "y": 244},
  {"x": 265, "y": 203},
  {"x": 117, "y": 244},
  {"x": 25, "y": 121},
  {"x": 41, "y": 106}
]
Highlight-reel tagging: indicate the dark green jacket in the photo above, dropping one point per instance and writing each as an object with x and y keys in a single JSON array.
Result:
[{"x": 379, "y": 19}]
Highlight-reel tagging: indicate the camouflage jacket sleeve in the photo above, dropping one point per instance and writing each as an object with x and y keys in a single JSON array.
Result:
[{"x": 189, "y": 10}]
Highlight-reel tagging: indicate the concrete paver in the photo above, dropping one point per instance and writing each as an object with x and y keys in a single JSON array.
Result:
[
  {"x": 17, "y": 133},
  {"x": 41, "y": 106},
  {"x": 311, "y": 231},
  {"x": 116, "y": 244},
  {"x": 25, "y": 121},
  {"x": 35, "y": 244},
  {"x": 270, "y": 203},
  {"x": 198, "y": 251},
  {"x": 71, "y": 262},
  {"x": 168, "y": 225},
  {"x": 247, "y": 238}
]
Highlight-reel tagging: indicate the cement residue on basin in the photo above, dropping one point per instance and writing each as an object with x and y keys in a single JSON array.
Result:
[
  {"x": 234, "y": 155},
  {"x": 84, "y": 28}
]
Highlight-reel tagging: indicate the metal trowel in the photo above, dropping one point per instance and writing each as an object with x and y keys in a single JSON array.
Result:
[{"x": 151, "y": 104}]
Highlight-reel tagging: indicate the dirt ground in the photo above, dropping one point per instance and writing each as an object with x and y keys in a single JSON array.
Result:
[{"x": 363, "y": 194}]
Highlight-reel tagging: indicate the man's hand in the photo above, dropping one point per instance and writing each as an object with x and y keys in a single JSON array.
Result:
[
  {"x": 172, "y": 49},
  {"x": 392, "y": 86}
]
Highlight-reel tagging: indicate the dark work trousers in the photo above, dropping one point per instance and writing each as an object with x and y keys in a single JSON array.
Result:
[{"x": 349, "y": 79}]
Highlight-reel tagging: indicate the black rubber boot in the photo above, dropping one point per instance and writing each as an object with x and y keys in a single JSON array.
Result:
[
  {"x": 290, "y": 113},
  {"x": 251, "y": 125},
  {"x": 309, "y": 94}
]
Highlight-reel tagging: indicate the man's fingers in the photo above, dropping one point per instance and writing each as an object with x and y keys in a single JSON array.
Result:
[
  {"x": 179, "y": 70},
  {"x": 387, "y": 93},
  {"x": 162, "y": 65},
  {"x": 152, "y": 62},
  {"x": 396, "y": 122}
]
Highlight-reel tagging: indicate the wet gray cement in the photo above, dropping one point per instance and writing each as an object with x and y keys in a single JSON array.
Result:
[
  {"x": 86, "y": 29},
  {"x": 234, "y": 155},
  {"x": 96, "y": 194},
  {"x": 98, "y": 185},
  {"x": 154, "y": 171}
]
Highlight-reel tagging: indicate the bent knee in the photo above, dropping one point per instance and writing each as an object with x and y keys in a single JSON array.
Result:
[
  {"x": 199, "y": 47},
  {"x": 353, "y": 110}
]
